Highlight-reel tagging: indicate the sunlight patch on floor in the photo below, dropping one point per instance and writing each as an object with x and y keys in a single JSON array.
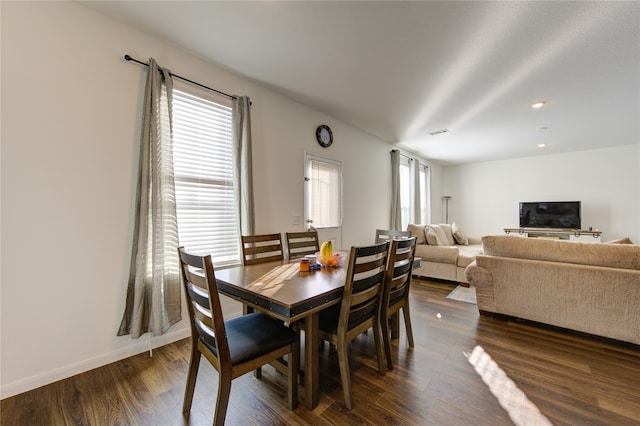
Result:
[{"x": 513, "y": 400}]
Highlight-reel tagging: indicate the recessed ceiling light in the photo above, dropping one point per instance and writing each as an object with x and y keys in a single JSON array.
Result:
[
  {"x": 538, "y": 104},
  {"x": 542, "y": 145},
  {"x": 439, "y": 132}
]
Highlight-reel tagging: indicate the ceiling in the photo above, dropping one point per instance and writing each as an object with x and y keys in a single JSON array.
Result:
[{"x": 402, "y": 70}]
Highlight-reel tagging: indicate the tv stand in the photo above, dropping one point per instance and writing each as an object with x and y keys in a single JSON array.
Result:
[{"x": 579, "y": 235}]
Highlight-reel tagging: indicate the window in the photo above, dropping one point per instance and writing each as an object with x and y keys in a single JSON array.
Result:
[
  {"x": 323, "y": 192},
  {"x": 202, "y": 157}
]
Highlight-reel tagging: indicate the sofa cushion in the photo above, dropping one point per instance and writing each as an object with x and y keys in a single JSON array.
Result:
[
  {"x": 467, "y": 254},
  {"x": 626, "y": 256},
  {"x": 458, "y": 235},
  {"x": 448, "y": 233},
  {"x": 442, "y": 254},
  {"x": 418, "y": 232}
]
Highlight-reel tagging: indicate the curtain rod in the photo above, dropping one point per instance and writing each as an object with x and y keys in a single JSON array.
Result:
[
  {"x": 130, "y": 59},
  {"x": 403, "y": 155}
]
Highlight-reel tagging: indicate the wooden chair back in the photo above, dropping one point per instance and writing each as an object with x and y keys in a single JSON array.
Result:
[
  {"x": 261, "y": 248},
  {"x": 383, "y": 235},
  {"x": 299, "y": 244},
  {"x": 396, "y": 290},
  {"x": 361, "y": 300}
]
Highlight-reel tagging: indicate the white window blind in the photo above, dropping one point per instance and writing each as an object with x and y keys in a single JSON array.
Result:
[
  {"x": 323, "y": 192},
  {"x": 202, "y": 155}
]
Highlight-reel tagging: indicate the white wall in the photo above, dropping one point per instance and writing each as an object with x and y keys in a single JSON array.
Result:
[
  {"x": 70, "y": 127},
  {"x": 485, "y": 196}
]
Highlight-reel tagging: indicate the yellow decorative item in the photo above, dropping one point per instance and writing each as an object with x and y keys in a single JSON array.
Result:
[
  {"x": 327, "y": 257},
  {"x": 326, "y": 249}
]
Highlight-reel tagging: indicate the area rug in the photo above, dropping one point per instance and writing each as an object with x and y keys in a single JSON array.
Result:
[{"x": 463, "y": 294}]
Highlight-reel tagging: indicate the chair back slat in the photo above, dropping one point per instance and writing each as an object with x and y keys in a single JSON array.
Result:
[
  {"x": 366, "y": 295},
  {"x": 261, "y": 248},
  {"x": 300, "y": 244}
]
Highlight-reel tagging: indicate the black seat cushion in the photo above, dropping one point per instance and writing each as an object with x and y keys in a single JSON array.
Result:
[{"x": 253, "y": 335}]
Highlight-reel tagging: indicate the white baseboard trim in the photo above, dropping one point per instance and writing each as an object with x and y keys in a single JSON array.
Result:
[{"x": 140, "y": 345}]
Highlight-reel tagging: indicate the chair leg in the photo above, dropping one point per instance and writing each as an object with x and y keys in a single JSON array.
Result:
[
  {"x": 257, "y": 373},
  {"x": 395, "y": 325},
  {"x": 407, "y": 323},
  {"x": 386, "y": 340},
  {"x": 345, "y": 376},
  {"x": 192, "y": 374},
  {"x": 222, "y": 401},
  {"x": 379, "y": 351}
]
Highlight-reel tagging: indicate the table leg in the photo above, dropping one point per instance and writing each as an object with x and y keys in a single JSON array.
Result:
[{"x": 311, "y": 369}]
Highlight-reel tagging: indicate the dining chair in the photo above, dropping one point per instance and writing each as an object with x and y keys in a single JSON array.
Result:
[
  {"x": 261, "y": 248},
  {"x": 234, "y": 347},
  {"x": 359, "y": 310},
  {"x": 300, "y": 244},
  {"x": 396, "y": 291},
  {"x": 383, "y": 235}
]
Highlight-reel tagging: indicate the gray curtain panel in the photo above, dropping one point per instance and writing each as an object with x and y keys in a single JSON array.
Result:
[
  {"x": 396, "y": 208},
  {"x": 243, "y": 164},
  {"x": 417, "y": 200},
  {"x": 153, "y": 293}
]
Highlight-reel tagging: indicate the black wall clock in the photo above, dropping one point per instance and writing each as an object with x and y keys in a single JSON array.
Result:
[{"x": 324, "y": 135}]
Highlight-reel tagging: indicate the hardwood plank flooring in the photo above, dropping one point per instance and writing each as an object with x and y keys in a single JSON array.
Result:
[{"x": 573, "y": 379}]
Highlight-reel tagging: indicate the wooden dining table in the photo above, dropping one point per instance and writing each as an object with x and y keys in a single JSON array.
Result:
[{"x": 281, "y": 290}]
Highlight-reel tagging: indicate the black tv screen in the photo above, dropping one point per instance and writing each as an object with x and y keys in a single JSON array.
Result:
[{"x": 550, "y": 214}]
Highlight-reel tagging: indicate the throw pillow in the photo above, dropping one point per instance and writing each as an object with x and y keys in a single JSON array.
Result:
[
  {"x": 460, "y": 236},
  {"x": 417, "y": 231},
  {"x": 448, "y": 233},
  {"x": 431, "y": 237},
  {"x": 441, "y": 237}
]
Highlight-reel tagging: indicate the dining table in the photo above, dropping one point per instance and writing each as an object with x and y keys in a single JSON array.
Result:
[{"x": 284, "y": 292}]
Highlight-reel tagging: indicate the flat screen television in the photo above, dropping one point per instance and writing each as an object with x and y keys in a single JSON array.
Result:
[{"x": 550, "y": 214}]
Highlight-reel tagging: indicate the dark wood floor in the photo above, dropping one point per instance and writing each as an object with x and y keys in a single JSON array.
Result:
[{"x": 572, "y": 379}]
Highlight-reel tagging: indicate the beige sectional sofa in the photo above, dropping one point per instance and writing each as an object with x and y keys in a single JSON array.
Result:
[
  {"x": 445, "y": 251},
  {"x": 591, "y": 288}
]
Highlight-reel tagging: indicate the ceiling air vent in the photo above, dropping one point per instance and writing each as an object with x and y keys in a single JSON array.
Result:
[{"x": 439, "y": 132}]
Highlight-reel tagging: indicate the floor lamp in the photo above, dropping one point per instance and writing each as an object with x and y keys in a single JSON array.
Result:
[{"x": 446, "y": 199}]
